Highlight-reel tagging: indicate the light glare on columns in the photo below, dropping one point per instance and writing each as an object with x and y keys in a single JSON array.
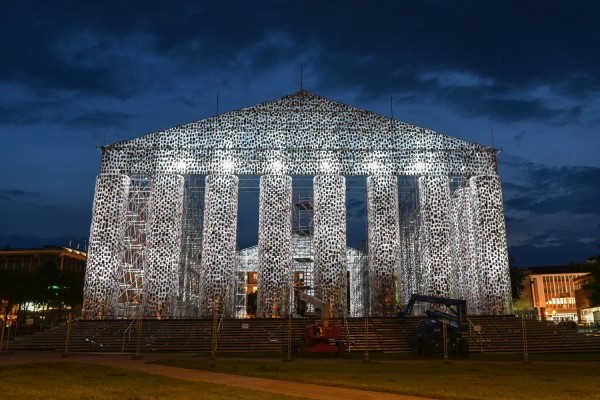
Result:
[
  {"x": 180, "y": 165},
  {"x": 278, "y": 166},
  {"x": 373, "y": 166},
  {"x": 228, "y": 166}
]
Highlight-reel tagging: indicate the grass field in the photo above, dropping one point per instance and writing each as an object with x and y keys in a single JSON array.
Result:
[
  {"x": 564, "y": 376},
  {"x": 568, "y": 376},
  {"x": 84, "y": 381}
]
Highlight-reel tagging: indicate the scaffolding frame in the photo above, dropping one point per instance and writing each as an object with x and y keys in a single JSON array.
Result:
[
  {"x": 131, "y": 281},
  {"x": 191, "y": 247}
]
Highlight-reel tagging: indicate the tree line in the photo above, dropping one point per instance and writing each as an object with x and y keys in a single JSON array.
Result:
[{"x": 47, "y": 287}]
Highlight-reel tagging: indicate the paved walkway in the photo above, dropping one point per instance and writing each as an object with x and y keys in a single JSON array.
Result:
[{"x": 306, "y": 390}]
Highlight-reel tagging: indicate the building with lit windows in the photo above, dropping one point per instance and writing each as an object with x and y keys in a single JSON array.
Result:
[{"x": 550, "y": 293}]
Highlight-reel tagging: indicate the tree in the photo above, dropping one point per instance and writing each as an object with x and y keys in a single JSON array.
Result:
[
  {"x": 72, "y": 287},
  {"x": 41, "y": 290},
  {"x": 516, "y": 283},
  {"x": 516, "y": 279},
  {"x": 592, "y": 265},
  {"x": 13, "y": 289},
  {"x": 48, "y": 286},
  {"x": 57, "y": 288},
  {"x": 593, "y": 285}
]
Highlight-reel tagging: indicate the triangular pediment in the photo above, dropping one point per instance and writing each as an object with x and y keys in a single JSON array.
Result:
[
  {"x": 301, "y": 133},
  {"x": 301, "y": 119}
]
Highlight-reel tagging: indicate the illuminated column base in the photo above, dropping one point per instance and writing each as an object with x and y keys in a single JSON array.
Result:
[
  {"x": 161, "y": 277},
  {"x": 105, "y": 252},
  {"x": 383, "y": 243},
  {"x": 218, "y": 265},
  {"x": 329, "y": 244},
  {"x": 492, "y": 253},
  {"x": 274, "y": 246},
  {"x": 434, "y": 198}
]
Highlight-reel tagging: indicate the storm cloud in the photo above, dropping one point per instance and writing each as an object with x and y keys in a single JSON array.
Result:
[{"x": 77, "y": 74}]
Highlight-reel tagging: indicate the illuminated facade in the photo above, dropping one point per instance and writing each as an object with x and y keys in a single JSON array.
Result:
[
  {"x": 434, "y": 213},
  {"x": 553, "y": 295}
]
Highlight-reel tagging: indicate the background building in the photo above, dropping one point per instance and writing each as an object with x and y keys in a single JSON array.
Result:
[
  {"x": 549, "y": 293},
  {"x": 41, "y": 283}
]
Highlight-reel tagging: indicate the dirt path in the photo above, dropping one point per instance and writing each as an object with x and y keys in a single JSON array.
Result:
[{"x": 306, "y": 390}]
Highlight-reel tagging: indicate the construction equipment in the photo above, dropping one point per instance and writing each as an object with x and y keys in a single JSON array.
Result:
[
  {"x": 322, "y": 337},
  {"x": 430, "y": 335}
]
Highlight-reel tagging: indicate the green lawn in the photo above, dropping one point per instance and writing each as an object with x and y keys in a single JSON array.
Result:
[
  {"x": 472, "y": 379},
  {"x": 84, "y": 381},
  {"x": 568, "y": 376}
]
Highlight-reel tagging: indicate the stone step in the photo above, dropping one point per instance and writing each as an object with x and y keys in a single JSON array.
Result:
[{"x": 498, "y": 335}]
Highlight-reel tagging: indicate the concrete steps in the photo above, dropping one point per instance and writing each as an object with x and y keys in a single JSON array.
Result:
[
  {"x": 498, "y": 334},
  {"x": 504, "y": 334}
]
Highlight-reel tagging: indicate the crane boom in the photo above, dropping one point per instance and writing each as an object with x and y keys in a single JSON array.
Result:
[{"x": 324, "y": 309}]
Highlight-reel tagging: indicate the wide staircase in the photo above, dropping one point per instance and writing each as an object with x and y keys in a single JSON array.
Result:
[
  {"x": 507, "y": 334},
  {"x": 497, "y": 334}
]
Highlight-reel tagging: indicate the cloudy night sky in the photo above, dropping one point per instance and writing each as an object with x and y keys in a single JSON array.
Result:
[{"x": 522, "y": 76}]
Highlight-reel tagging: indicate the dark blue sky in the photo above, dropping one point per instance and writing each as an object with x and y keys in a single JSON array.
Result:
[{"x": 528, "y": 70}]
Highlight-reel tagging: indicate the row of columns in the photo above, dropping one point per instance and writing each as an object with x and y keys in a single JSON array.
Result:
[
  {"x": 456, "y": 246},
  {"x": 458, "y": 249},
  {"x": 218, "y": 262}
]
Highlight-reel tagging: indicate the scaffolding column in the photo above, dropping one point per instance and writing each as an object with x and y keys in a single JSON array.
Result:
[
  {"x": 464, "y": 255},
  {"x": 434, "y": 197},
  {"x": 330, "y": 241},
  {"x": 359, "y": 282},
  {"x": 274, "y": 246},
  {"x": 105, "y": 252},
  {"x": 492, "y": 254},
  {"x": 302, "y": 257},
  {"x": 410, "y": 276},
  {"x": 161, "y": 285},
  {"x": 135, "y": 241},
  {"x": 191, "y": 246},
  {"x": 218, "y": 266},
  {"x": 383, "y": 242}
]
